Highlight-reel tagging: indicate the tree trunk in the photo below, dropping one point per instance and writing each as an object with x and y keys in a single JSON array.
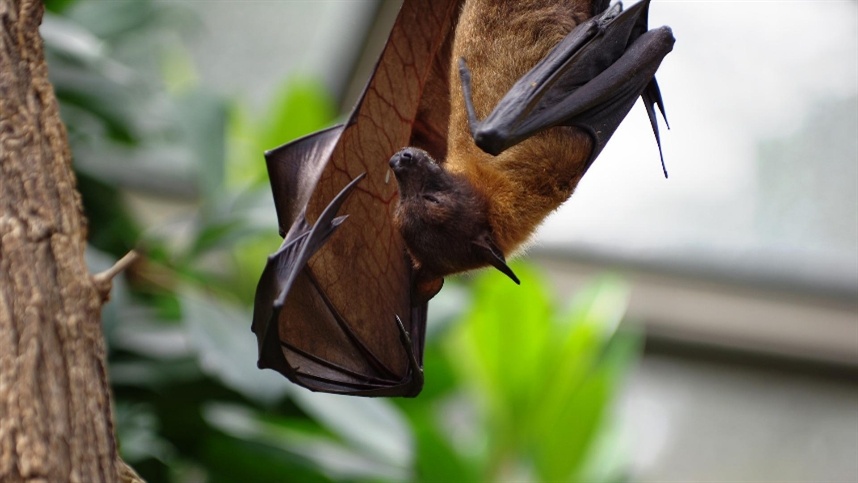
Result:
[{"x": 56, "y": 422}]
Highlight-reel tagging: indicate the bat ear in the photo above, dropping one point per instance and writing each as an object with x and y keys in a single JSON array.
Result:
[{"x": 492, "y": 255}]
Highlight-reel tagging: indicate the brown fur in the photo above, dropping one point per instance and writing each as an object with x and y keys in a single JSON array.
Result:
[
  {"x": 502, "y": 40},
  {"x": 456, "y": 214}
]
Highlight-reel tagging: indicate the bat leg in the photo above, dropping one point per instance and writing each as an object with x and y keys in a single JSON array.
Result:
[
  {"x": 414, "y": 369},
  {"x": 590, "y": 80},
  {"x": 473, "y": 123}
]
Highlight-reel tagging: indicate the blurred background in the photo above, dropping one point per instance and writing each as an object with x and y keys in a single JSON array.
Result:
[{"x": 699, "y": 328}]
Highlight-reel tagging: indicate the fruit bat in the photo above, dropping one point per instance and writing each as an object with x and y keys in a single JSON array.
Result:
[{"x": 502, "y": 106}]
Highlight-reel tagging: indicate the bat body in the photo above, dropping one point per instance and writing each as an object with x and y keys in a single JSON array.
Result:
[
  {"x": 341, "y": 305},
  {"x": 528, "y": 181},
  {"x": 486, "y": 198}
]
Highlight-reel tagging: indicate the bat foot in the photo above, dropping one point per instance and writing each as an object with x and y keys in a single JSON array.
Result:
[
  {"x": 415, "y": 371},
  {"x": 590, "y": 81}
]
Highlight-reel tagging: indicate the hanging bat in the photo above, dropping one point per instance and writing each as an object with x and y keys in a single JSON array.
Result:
[
  {"x": 341, "y": 306},
  {"x": 333, "y": 311},
  {"x": 553, "y": 89}
]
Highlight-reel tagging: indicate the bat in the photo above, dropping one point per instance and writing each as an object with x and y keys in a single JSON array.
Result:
[
  {"x": 548, "y": 108},
  {"x": 333, "y": 310},
  {"x": 341, "y": 305}
]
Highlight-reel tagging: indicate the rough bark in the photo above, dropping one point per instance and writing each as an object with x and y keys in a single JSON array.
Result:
[{"x": 56, "y": 422}]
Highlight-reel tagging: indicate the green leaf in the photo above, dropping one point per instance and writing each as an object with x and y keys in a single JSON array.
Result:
[
  {"x": 137, "y": 428},
  {"x": 203, "y": 118},
  {"x": 436, "y": 458},
  {"x": 112, "y": 228},
  {"x": 500, "y": 341},
  {"x": 178, "y": 70},
  {"x": 300, "y": 107},
  {"x": 115, "y": 19},
  {"x": 335, "y": 459},
  {"x": 544, "y": 381},
  {"x": 58, "y": 6},
  {"x": 220, "y": 334},
  {"x": 214, "y": 234},
  {"x": 228, "y": 459},
  {"x": 374, "y": 425}
]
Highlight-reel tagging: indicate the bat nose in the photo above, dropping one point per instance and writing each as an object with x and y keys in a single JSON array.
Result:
[{"x": 401, "y": 159}]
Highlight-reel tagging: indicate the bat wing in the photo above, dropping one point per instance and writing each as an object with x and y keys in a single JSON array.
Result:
[
  {"x": 590, "y": 80},
  {"x": 310, "y": 366},
  {"x": 333, "y": 309},
  {"x": 294, "y": 169}
]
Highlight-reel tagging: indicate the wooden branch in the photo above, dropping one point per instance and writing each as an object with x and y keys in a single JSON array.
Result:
[{"x": 103, "y": 280}]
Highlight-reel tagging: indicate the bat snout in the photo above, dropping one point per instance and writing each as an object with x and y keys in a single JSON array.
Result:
[
  {"x": 401, "y": 159},
  {"x": 405, "y": 158}
]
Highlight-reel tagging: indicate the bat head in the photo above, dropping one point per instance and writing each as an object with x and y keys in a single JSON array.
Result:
[
  {"x": 420, "y": 176},
  {"x": 442, "y": 218}
]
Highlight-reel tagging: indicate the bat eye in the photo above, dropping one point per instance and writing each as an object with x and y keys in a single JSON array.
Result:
[{"x": 431, "y": 199}]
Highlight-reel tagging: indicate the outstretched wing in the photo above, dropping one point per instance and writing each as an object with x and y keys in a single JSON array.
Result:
[
  {"x": 333, "y": 310},
  {"x": 590, "y": 80}
]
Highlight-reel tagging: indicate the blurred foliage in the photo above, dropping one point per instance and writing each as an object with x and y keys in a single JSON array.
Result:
[
  {"x": 542, "y": 379},
  {"x": 515, "y": 389}
]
